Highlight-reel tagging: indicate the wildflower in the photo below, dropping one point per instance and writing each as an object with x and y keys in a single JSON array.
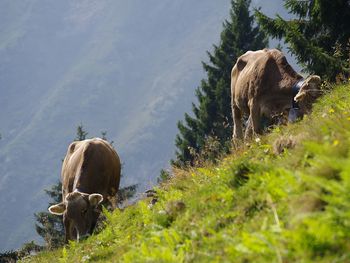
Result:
[{"x": 85, "y": 258}]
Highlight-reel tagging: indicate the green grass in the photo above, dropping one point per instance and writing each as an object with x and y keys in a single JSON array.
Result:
[{"x": 259, "y": 204}]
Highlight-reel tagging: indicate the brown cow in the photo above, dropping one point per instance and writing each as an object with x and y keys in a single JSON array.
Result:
[
  {"x": 90, "y": 174},
  {"x": 263, "y": 84}
]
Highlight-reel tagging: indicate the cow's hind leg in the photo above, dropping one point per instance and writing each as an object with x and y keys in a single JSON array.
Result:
[
  {"x": 248, "y": 129},
  {"x": 253, "y": 126},
  {"x": 237, "y": 123}
]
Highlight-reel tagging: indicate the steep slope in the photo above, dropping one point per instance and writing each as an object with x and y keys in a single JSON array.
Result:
[
  {"x": 281, "y": 198},
  {"x": 125, "y": 67}
]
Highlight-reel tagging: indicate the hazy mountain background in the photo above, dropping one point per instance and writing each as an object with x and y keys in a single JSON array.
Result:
[{"x": 126, "y": 67}]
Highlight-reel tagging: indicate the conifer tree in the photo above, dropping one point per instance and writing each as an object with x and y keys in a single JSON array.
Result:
[
  {"x": 319, "y": 35},
  {"x": 81, "y": 133},
  {"x": 212, "y": 116},
  {"x": 50, "y": 227}
]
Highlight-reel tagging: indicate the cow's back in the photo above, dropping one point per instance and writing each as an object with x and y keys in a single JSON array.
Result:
[
  {"x": 259, "y": 72},
  {"x": 91, "y": 166}
]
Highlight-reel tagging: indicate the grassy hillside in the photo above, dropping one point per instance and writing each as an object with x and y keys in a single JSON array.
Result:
[
  {"x": 284, "y": 197},
  {"x": 126, "y": 67}
]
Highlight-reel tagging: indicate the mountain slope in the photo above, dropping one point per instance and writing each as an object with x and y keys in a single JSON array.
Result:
[
  {"x": 281, "y": 198},
  {"x": 125, "y": 67}
]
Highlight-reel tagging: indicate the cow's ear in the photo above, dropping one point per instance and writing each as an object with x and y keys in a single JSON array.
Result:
[
  {"x": 57, "y": 209},
  {"x": 315, "y": 80},
  {"x": 95, "y": 199}
]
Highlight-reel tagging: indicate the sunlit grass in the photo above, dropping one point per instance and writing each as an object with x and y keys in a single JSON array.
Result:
[{"x": 260, "y": 205}]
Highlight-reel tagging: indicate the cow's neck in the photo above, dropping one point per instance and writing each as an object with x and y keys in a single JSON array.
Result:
[{"x": 295, "y": 89}]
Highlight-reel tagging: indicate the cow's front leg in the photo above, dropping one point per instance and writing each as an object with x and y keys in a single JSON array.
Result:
[
  {"x": 237, "y": 123},
  {"x": 68, "y": 229}
]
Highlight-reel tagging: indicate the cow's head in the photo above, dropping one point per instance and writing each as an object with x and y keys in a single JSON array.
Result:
[
  {"x": 79, "y": 212},
  {"x": 309, "y": 91}
]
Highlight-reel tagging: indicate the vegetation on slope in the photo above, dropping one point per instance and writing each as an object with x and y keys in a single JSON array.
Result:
[{"x": 284, "y": 197}]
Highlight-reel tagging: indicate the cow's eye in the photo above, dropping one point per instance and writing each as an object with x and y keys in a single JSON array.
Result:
[{"x": 83, "y": 212}]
